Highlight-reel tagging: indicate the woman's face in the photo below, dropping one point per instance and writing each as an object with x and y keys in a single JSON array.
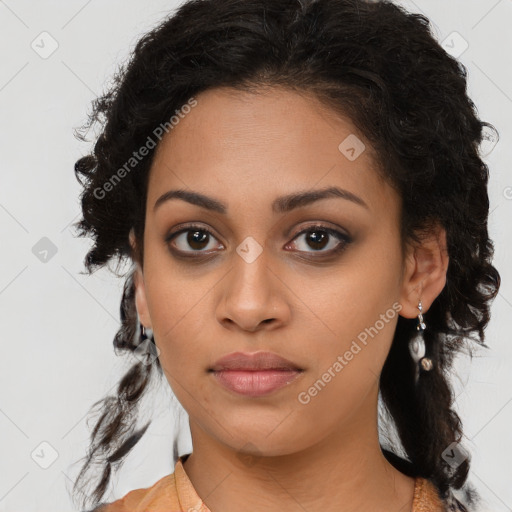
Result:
[{"x": 324, "y": 298}]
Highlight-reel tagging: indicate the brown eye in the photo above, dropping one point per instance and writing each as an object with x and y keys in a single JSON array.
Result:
[
  {"x": 319, "y": 238},
  {"x": 197, "y": 239},
  {"x": 192, "y": 239}
]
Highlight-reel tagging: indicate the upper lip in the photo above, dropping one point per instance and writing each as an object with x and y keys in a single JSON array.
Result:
[{"x": 254, "y": 361}]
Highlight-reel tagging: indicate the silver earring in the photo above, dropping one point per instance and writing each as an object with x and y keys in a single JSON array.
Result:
[
  {"x": 145, "y": 333},
  {"x": 146, "y": 351},
  {"x": 417, "y": 347}
]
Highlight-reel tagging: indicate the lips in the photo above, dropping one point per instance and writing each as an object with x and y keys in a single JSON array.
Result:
[
  {"x": 254, "y": 375},
  {"x": 257, "y": 361}
]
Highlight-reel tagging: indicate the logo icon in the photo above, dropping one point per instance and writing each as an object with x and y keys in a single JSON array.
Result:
[
  {"x": 44, "y": 455},
  {"x": 147, "y": 352},
  {"x": 44, "y": 250},
  {"x": 454, "y": 455},
  {"x": 455, "y": 44},
  {"x": 249, "y": 459},
  {"x": 249, "y": 249},
  {"x": 44, "y": 45},
  {"x": 352, "y": 147}
]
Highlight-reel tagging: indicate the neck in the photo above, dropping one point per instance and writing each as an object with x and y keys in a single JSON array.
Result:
[{"x": 345, "y": 470}]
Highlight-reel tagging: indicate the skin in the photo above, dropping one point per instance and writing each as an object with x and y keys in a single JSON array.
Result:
[{"x": 274, "y": 453}]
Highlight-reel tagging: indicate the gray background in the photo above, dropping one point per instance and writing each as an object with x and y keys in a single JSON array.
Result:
[{"x": 57, "y": 356}]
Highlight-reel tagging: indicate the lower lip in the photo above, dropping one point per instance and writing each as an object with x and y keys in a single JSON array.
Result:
[{"x": 255, "y": 383}]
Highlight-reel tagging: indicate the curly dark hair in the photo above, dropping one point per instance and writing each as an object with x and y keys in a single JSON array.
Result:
[{"x": 369, "y": 60}]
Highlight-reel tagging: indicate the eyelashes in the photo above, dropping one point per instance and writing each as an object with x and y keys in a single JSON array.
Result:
[
  {"x": 196, "y": 235},
  {"x": 197, "y": 238},
  {"x": 322, "y": 233}
]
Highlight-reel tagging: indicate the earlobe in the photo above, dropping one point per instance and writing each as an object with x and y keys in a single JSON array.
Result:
[
  {"x": 140, "y": 298},
  {"x": 426, "y": 265},
  {"x": 140, "y": 289}
]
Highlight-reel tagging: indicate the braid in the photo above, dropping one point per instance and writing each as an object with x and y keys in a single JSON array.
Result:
[
  {"x": 423, "y": 413},
  {"x": 114, "y": 433}
]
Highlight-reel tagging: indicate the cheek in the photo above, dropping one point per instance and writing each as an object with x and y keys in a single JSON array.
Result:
[
  {"x": 357, "y": 312},
  {"x": 176, "y": 304},
  {"x": 354, "y": 296}
]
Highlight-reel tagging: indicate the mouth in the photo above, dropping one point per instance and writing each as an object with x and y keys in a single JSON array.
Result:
[
  {"x": 255, "y": 383},
  {"x": 256, "y": 374},
  {"x": 254, "y": 362}
]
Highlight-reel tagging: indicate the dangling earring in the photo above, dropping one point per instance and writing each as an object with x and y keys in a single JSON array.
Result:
[
  {"x": 146, "y": 351},
  {"x": 145, "y": 333},
  {"x": 417, "y": 347}
]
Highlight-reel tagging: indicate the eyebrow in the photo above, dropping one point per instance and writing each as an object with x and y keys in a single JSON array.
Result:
[{"x": 282, "y": 204}]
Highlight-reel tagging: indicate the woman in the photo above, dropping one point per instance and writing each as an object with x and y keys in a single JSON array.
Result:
[{"x": 299, "y": 187}]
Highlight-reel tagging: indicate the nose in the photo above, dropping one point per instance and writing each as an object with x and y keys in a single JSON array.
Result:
[{"x": 253, "y": 297}]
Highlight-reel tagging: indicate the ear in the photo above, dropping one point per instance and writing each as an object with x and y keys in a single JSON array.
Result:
[
  {"x": 140, "y": 291},
  {"x": 425, "y": 270}
]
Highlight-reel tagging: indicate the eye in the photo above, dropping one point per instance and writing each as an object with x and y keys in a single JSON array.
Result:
[
  {"x": 196, "y": 238},
  {"x": 200, "y": 240},
  {"x": 319, "y": 237}
]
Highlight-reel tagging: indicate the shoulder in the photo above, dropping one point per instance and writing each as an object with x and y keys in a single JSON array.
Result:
[
  {"x": 428, "y": 498},
  {"x": 160, "y": 496}
]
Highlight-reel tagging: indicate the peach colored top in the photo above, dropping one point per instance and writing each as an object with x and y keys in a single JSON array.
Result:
[{"x": 175, "y": 493}]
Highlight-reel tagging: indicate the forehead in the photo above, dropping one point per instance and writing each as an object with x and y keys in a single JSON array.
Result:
[{"x": 248, "y": 145}]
